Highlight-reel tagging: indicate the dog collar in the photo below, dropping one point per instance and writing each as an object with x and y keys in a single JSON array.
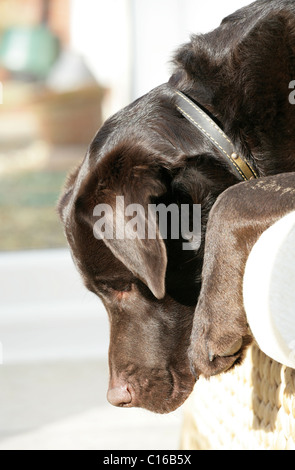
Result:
[{"x": 212, "y": 131}]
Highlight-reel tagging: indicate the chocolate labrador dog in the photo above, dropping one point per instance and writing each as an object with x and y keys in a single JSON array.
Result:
[{"x": 226, "y": 116}]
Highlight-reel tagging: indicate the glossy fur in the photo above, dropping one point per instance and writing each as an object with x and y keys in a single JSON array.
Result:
[{"x": 148, "y": 152}]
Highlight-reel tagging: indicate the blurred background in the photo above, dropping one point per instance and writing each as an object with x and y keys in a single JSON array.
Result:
[{"x": 65, "y": 66}]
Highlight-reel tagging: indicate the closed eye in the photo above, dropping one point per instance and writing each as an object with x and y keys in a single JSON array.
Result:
[
  {"x": 120, "y": 286},
  {"x": 115, "y": 286}
]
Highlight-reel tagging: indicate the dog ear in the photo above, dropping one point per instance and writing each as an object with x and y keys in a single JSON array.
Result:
[
  {"x": 145, "y": 257},
  {"x": 116, "y": 192},
  {"x": 64, "y": 199}
]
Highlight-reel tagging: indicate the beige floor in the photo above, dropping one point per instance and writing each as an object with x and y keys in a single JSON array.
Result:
[
  {"x": 63, "y": 406},
  {"x": 53, "y": 380}
]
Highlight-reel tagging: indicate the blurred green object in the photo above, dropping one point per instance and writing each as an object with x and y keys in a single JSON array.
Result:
[
  {"x": 29, "y": 50},
  {"x": 28, "y": 214}
]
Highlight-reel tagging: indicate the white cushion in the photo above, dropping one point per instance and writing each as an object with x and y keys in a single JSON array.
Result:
[{"x": 269, "y": 291}]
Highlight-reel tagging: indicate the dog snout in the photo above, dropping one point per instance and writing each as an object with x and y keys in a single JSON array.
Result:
[{"x": 119, "y": 395}]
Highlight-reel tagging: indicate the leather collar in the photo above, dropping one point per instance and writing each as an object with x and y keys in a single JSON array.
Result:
[{"x": 212, "y": 131}]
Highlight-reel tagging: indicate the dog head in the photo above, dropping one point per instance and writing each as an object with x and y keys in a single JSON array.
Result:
[{"x": 146, "y": 154}]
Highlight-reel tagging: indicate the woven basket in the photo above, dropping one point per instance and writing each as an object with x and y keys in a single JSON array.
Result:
[{"x": 249, "y": 408}]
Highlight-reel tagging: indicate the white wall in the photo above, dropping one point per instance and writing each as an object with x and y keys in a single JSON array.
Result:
[
  {"x": 129, "y": 43},
  {"x": 100, "y": 31},
  {"x": 46, "y": 312},
  {"x": 163, "y": 25}
]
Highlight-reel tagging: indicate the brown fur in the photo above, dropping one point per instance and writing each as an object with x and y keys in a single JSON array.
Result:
[{"x": 148, "y": 152}]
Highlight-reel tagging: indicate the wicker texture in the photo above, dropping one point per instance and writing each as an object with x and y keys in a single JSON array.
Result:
[{"x": 249, "y": 408}]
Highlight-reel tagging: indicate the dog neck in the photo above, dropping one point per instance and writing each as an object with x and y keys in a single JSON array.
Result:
[{"x": 202, "y": 121}]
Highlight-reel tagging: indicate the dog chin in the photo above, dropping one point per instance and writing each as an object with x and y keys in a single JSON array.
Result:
[{"x": 164, "y": 403}]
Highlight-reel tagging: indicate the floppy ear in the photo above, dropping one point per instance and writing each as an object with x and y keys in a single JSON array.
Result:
[
  {"x": 120, "y": 194},
  {"x": 64, "y": 199},
  {"x": 145, "y": 257}
]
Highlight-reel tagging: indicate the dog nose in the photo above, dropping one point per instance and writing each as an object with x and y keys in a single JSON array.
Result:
[{"x": 119, "y": 396}]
